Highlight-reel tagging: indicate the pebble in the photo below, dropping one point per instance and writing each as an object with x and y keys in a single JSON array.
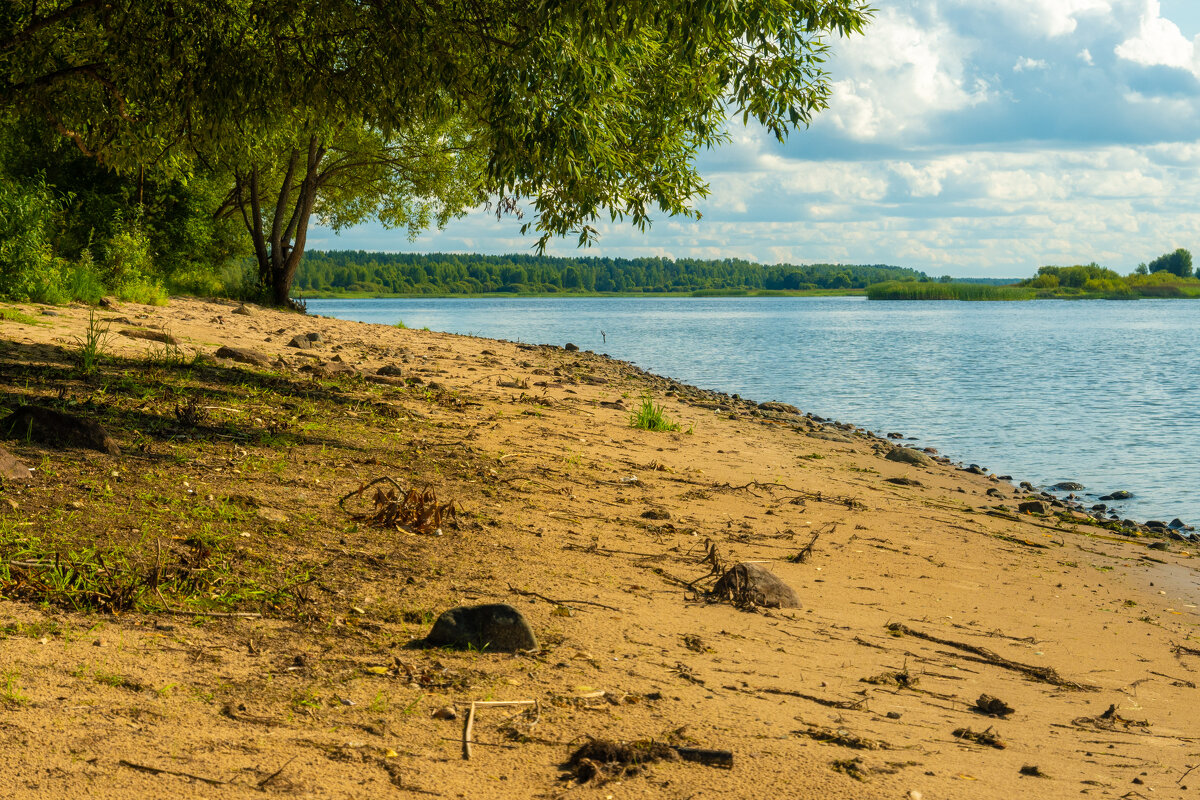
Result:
[{"x": 445, "y": 712}]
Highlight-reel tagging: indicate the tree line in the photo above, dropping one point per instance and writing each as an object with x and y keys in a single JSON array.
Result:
[{"x": 461, "y": 274}]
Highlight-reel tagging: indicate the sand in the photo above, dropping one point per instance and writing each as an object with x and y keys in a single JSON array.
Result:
[{"x": 916, "y": 599}]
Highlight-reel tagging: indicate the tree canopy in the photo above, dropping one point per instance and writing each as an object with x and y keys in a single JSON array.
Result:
[
  {"x": 568, "y": 110},
  {"x": 1178, "y": 263}
]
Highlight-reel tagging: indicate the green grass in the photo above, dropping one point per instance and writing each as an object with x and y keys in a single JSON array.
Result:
[
  {"x": 91, "y": 347},
  {"x": 650, "y": 417},
  {"x": 13, "y": 315},
  {"x": 10, "y": 694},
  {"x": 911, "y": 290}
]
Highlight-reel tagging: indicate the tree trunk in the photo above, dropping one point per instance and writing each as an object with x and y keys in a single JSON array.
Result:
[{"x": 279, "y": 250}]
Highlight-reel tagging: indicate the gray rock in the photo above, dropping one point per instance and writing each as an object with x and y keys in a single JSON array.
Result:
[
  {"x": 1033, "y": 507},
  {"x": 754, "y": 584},
  {"x": 11, "y": 469},
  {"x": 1067, "y": 486},
  {"x": 906, "y": 455},
  {"x": 496, "y": 626},
  {"x": 314, "y": 337},
  {"x": 975, "y": 469},
  {"x": 1177, "y": 524},
  {"x": 244, "y": 356},
  {"x": 1119, "y": 495},
  {"x": 390, "y": 370},
  {"x": 782, "y": 408},
  {"x": 570, "y": 348},
  {"x": 244, "y": 310},
  {"x": 300, "y": 342},
  {"x": 830, "y": 436}
]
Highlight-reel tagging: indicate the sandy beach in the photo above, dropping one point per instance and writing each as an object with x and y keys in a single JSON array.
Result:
[{"x": 922, "y": 587}]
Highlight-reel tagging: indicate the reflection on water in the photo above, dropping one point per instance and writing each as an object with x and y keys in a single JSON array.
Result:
[{"x": 1103, "y": 393}]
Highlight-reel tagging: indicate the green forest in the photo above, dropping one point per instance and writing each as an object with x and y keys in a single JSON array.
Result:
[{"x": 359, "y": 272}]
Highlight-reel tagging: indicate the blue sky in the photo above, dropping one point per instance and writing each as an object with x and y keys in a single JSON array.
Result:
[{"x": 965, "y": 137}]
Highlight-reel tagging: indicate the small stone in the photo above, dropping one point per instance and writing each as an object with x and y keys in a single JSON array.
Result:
[
  {"x": 1033, "y": 507},
  {"x": 300, "y": 342},
  {"x": 314, "y": 337},
  {"x": 244, "y": 310},
  {"x": 571, "y": 348},
  {"x": 13, "y": 470},
  {"x": 445, "y": 712}
]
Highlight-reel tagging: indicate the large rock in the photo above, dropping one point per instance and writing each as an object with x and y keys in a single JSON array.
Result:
[
  {"x": 906, "y": 455},
  {"x": 753, "y": 584},
  {"x": 244, "y": 356},
  {"x": 782, "y": 408},
  {"x": 1067, "y": 486},
  {"x": 1033, "y": 507},
  {"x": 12, "y": 469},
  {"x": 1118, "y": 495},
  {"x": 54, "y": 427},
  {"x": 495, "y": 626}
]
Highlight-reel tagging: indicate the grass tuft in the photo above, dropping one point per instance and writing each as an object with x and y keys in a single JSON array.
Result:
[{"x": 650, "y": 417}]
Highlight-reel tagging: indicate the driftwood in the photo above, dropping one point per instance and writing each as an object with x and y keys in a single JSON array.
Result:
[
  {"x": 984, "y": 656},
  {"x": 469, "y": 722}
]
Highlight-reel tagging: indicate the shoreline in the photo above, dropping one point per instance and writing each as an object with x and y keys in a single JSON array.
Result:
[
  {"x": 916, "y": 597},
  {"x": 1133, "y": 521}
]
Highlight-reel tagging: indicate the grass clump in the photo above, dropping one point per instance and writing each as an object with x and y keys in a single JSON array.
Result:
[
  {"x": 651, "y": 417},
  {"x": 911, "y": 290},
  {"x": 91, "y": 347}
]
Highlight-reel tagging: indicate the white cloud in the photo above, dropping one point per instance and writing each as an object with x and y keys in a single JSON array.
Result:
[
  {"x": 1049, "y": 18},
  {"x": 1159, "y": 42},
  {"x": 1085, "y": 56},
  {"x": 1024, "y": 64},
  {"x": 902, "y": 72}
]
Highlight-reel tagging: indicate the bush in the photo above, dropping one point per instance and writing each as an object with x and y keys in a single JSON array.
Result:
[
  {"x": 82, "y": 280},
  {"x": 28, "y": 268}
]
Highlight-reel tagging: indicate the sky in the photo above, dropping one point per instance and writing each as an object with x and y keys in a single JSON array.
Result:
[{"x": 975, "y": 138}]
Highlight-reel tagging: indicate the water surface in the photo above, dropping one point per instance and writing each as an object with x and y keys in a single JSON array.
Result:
[{"x": 1099, "y": 392}]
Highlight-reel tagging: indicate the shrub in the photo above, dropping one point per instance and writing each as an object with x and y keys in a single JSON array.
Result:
[{"x": 28, "y": 268}]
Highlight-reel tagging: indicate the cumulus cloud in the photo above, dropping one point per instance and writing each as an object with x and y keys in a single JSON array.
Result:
[
  {"x": 971, "y": 137},
  {"x": 1159, "y": 42}
]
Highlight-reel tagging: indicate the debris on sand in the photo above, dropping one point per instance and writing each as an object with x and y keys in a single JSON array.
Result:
[
  {"x": 902, "y": 679},
  {"x": 753, "y": 585},
  {"x": 416, "y": 511},
  {"x": 1110, "y": 720},
  {"x": 603, "y": 760},
  {"x": 985, "y": 738},
  {"x": 992, "y": 706}
]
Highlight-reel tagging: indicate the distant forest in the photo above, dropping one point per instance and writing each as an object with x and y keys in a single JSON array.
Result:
[{"x": 338, "y": 271}]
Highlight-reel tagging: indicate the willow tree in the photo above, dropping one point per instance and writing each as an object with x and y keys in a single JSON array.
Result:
[{"x": 572, "y": 109}]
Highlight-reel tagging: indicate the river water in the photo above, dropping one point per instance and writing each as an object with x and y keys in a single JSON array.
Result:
[{"x": 1104, "y": 393}]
